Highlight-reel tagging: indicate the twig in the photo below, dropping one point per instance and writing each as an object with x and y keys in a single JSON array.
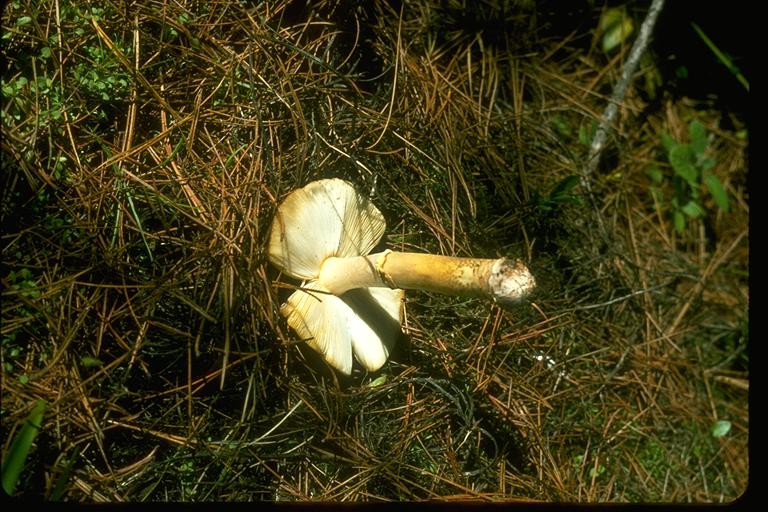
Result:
[
  {"x": 617, "y": 96},
  {"x": 615, "y": 300},
  {"x": 266, "y": 434}
]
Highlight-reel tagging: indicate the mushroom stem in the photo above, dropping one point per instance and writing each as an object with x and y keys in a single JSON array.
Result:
[{"x": 501, "y": 279}]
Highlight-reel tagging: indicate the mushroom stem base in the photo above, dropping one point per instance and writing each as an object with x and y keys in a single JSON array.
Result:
[{"x": 502, "y": 279}]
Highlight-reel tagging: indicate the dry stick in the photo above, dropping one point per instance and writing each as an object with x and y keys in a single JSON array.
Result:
[
  {"x": 226, "y": 291},
  {"x": 138, "y": 148},
  {"x": 98, "y": 432},
  {"x": 617, "y": 96},
  {"x": 179, "y": 440},
  {"x": 183, "y": 181},
  {"x": 67, "y": 123}
]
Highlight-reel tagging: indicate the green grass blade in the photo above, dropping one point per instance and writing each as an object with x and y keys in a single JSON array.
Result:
[
  {"x": 724, "y": 59},
  {"x": 173, "y": 154},
  {"x": 22, "y": 443},
  {"x": 564, "y": 188},
  {"x": 137, "y": 218},
  {"x": 61, "y": 482}
]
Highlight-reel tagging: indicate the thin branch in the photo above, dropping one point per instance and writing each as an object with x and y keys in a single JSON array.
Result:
[
  {"x": 617, "y": 96},
  {"x": 620, "y": 89}
]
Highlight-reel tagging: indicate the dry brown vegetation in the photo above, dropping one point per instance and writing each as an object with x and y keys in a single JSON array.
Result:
[{"x": 143, "y": 158}]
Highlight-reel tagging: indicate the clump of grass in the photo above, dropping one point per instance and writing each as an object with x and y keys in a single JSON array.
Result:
[{"x": 145, "y": 154}]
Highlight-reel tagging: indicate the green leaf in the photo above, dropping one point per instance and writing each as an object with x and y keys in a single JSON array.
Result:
[
  {"x": 706, "y": 163},
  {"x": 562, "y": 127},
  {"x": 679, "y": 219},
  {"x": 596, "y": 472},
  {"x": 680, "y": 158},
  {"x": 45, "y": 52},
  {"x": 564, "y": 187},
  {"x": 616, "y": 27},
  {"x": 693, "y": 209},
  {"x": 22, "y": 443},
  {"x": 656, "y": 174},
  {"x": 617, "y": 34},
  {"x": 697, "y": 134},
  {"x": 89, "y": 361},
  {"x": 721, "y": 428},
  {"x": 24, "y": 20},
  {"x": 587, "y": 133},
  {"x": 611, "y": 18},
  {"x": 668, "y": 141},
  {"x": 378, "y": 381},
  {"x": 657, "y": 195},
  {"x": 716, "y": 189}
]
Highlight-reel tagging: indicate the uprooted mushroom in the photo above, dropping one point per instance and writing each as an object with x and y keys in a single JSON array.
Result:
[{"x": 350, "y": 301}]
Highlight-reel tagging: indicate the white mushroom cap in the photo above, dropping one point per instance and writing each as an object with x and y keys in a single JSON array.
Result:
[
  {"x": 365, "y": 321},
  {"x": 324, "y": 219}
]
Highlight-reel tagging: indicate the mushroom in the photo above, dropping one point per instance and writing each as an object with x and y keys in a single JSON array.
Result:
[{"x": 350, "y": 301}]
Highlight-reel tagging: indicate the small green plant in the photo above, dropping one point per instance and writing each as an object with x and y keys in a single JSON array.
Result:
[
  {"x": 721, "y": 428},
  {"x": 594, "y": 471},
  {"x": 23, "y": 283},
  {"x": 189, "y": 475},
  {"x": 616, "y": 27},
  {"x": 101, "y": 76},
  {"x": 691, "y": 167},
  {"x": 12, "y": 351},
  {"x": 561, "y": 194}
]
